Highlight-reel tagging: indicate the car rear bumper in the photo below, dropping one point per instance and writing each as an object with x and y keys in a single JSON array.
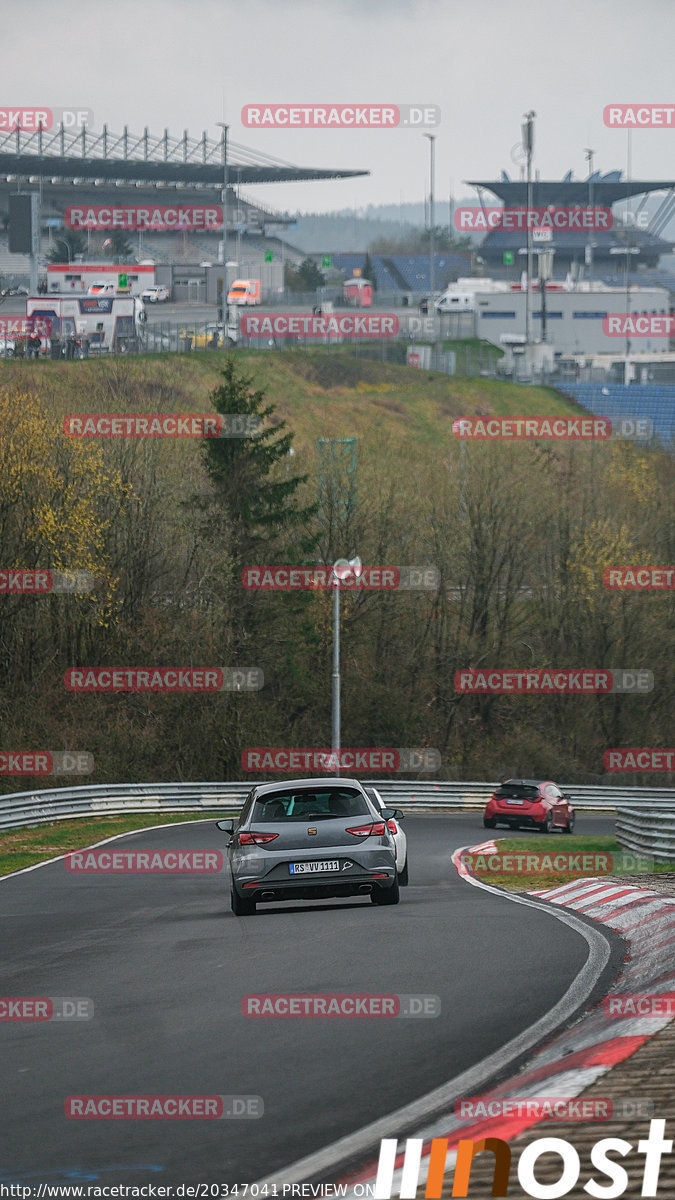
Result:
[{"x": 274, "y": 890}]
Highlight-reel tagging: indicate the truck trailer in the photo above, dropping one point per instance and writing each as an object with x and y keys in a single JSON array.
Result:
[{"x": 109, "y": 323}]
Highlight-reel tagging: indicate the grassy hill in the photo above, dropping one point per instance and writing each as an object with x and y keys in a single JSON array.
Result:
[{"x": 319, "y": 393}]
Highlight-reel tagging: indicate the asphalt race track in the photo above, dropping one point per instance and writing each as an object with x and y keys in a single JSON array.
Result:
[{"x": 167, "y": 965}]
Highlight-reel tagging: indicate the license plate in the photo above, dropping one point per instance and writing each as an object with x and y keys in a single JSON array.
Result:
[
  {"x": 515, "y": 801},
  {"x": 312, "y": 868}
]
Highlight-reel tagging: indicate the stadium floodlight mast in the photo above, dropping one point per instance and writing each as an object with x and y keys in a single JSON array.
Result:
[
  {"x": 432, "y": 265},
  {"x": 342, "y": 569},
  {"x": 223, "y": 307},
  {"x": 589, "y": 243},
  {"x": 528, "y": 144}
]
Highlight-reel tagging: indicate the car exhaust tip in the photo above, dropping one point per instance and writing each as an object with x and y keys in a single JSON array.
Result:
[
  {"x": 267, "y": 896},
  {"x": 365, "y": 887}
]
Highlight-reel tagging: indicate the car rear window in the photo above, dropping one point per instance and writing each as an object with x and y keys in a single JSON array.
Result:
[
  {"x": 517, "y": 791},
  {"x": 299, "y": 805}
]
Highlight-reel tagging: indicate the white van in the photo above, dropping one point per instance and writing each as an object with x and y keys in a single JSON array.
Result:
[{"x": 456, "y": 302}]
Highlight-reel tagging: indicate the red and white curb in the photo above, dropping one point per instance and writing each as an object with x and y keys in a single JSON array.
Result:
[{"x": 573, "y": 1060}]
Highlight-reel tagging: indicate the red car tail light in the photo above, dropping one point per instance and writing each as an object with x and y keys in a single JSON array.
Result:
[
  {"x": 391, "y": 826},
  {"x": 255, "y": 838},
  {"x": 374, "y": 830}
]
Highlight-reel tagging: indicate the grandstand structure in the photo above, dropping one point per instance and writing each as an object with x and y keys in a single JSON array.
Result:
[
  {"x": 406, "y": 273},
  {"x": 656, "y": 402},
  {"x": 571, "y": 247},
  {"x": 85, "y": 167}
]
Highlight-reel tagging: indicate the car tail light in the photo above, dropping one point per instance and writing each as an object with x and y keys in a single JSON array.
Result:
[
  {"x": 255, "y": 838},
  {"x": 374, "y": 830},
  {"x": 391, "y": 826}
]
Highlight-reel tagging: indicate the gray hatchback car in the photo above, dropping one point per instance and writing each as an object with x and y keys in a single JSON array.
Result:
[{"x": 310, "y": 839}]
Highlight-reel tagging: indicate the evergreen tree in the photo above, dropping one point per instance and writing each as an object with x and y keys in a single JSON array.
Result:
[
  {"x": 75, "y": 242},
  {"x": 258, "y": 504}
]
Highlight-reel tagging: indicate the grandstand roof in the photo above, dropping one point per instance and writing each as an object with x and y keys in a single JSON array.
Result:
[
  {"x": 607, "y": 189},
  {"x": 85, "y": 155}
]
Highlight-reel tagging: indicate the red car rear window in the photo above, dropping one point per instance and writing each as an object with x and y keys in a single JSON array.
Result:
[{"x": 515, "y": 791}]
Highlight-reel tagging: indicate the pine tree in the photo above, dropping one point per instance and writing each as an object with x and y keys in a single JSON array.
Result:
[{"x": 259, "y": 508}]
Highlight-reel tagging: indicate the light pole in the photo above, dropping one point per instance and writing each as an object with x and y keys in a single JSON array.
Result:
[
  {"x": 223, "y": 303},
  {"x": 528, "y": 142},
  {"x": 63, "y": 242},
  {"x": 628, "y": 251},
  {"x": 239, "y": 266},
  {"x": 342, "y": 568},
  {"x": 432, "y": 265},
  {"x": 589, "y": 244}
]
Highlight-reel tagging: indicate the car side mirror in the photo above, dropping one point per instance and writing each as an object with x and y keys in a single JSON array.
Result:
[
  {"x": 392, "y": 814},
  {"x": 227, "y": 825},
  {"x": 399, "y": 816}
]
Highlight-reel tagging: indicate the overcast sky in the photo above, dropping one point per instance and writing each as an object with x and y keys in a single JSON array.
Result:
[{"x": 186, "y": 64}]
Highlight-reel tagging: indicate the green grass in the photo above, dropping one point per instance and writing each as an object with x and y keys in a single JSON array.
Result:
[
  {"x": 620, "y": 861},
  {"x": 24, "y": 847},
  {"x": 320, "y": 393}
]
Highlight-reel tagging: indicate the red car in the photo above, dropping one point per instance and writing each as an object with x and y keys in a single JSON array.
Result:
[{"x": 531, "y": 804}]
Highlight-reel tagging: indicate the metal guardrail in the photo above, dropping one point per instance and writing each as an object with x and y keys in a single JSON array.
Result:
[
  {"x": 67, "y": 803},
  {"x": 648, "y": 830}
]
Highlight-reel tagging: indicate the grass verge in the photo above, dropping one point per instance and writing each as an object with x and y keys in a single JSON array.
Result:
[
  {"x": 24, "y": 847},
  {"x": 612, "y": 859}
]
